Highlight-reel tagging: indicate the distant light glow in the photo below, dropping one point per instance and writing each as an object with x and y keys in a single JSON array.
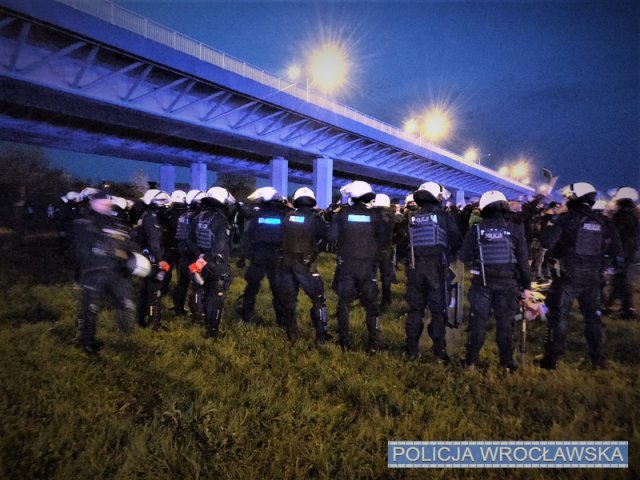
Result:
[
  {"x": 504, "y": 171},
  {"x": 411, "y": 126},
  {"x": 436, "y": 124},
  {"x": 520, "y": 170},
  {"x": 328, "y": 67},
  {"x": 471, "y": 155},
  {"x": 294, "y": 72}
]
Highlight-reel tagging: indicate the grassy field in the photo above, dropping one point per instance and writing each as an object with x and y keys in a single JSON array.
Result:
[{"x": 174, "y": 405}]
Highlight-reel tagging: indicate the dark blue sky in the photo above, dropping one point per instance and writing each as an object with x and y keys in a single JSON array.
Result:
[{"x": 556, "y": 82}]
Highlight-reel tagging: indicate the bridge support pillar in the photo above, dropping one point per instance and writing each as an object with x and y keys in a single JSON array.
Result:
[
  {"x": 460, "y": 198},
  {"x": 167, "y": 178},
  {"x": 279, "y": 177},
  {"x": 323, "y": 181},
  {"x": 199, "y": 176}
]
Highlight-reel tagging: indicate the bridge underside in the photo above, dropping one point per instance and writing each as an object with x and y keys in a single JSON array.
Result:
[{"x": 75, "y": 82}]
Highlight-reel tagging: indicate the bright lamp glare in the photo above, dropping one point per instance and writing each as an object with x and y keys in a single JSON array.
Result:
[
  {"x": 504, "y": 171},
  {"x": 411, "y": 125},
  {"x": 436, "y": 125},
  {"x": 328, "y": 67},
  {"x": 520, "y": 170},
  {"x": 294, "y": 72},
  {"x": 471, "y": 155}
]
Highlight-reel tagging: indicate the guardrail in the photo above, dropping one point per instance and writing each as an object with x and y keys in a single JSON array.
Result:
[{"x": 134, "y": 22}]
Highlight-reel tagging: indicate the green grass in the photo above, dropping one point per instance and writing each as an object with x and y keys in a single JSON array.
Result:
[{"x": 174, "y": 405}]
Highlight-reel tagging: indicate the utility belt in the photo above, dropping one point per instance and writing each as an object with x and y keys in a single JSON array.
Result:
[{"x": 501, "y": 274}]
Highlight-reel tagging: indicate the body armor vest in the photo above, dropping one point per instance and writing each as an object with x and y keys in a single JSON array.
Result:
[
  {"x": 268, "y": 228},
  {"x": 299, "y": 233},
  {"x": 204, "y": 236},
  {"x": 589, "y": 238},
  {"x": 496, "y": 246},
  {"x": 357, "y": 234},
  {"x": 425, "y": 231},
  {"x": 182, "y": 229}
]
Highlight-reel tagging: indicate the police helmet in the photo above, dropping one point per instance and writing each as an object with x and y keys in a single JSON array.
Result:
[
  {"x": 382, "y": 200},
  {"x": 492, "y": 196},
  {"x": 221, "y": 195},
  {"x": 358, "y": 191},
  {"x": 119, "y": 202},
  {"x": 435, "y": 189},
  {"x": 304, "y": 196},
  {"x": 85, "y": 193},
  {"x": 69, "y": 196},
  {"x": 156, "y": 197},
  {"x": 194, "y": 196},
  {"x": 626, "y": 193},
  {"x": 577, "y": 190},
  {"x": 138, "y": 264},
  {"x": 265, "y": 194},
  {"x": 178, "y": 196}
]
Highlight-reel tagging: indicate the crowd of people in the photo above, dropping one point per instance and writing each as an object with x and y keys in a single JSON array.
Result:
[{"x": 195, "y": 236}]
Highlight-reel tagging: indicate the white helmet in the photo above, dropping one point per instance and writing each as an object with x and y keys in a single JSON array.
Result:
[
  {"x": 382, "y": 200},
  {"x": 626, "y": 193},
  {"x": 178, "y": 196},
  {"x": 409, "y": 199},
  {"x": 356, "y": 189},
  {"x": 194, "y": 196},
  {"x": 577, "y": 190},
  {"x": 303, "y": 192},
  {"x": 156, "y": 197},
  {"x": 69, "y": 196},
  {"x": 222, "y": 195},
  {"x": 119, "y": 202},
  {"x": 435, "y": 189},
  {"x": 490, "y": 197},
  {"x": 86, "y": 192},
  {"x": 599, "y": 205},
  {"x": 138, "y": 264},
  {"x": 264, "y": 194}
]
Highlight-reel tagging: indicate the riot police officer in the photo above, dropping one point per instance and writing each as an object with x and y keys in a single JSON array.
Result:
[
  {"x": 105, "y": 258},
  {"x": 303, "y": 229},
  {"x": 626, "y": 220},
  {"x": 578, "y": 239},
  {"x": 187, "y": 249},
  {"x": 261, "y": 243},
  {"x": 497, "y": 251},
  {"x": 151, "y": 235},
  {"x": 359, "y": 231},
  {"x": 213, "y": 239},
  {"x": 434, "y": 239},
  {"x": 393, "y": 222}
]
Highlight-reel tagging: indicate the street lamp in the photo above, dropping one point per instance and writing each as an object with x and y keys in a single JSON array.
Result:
[{"x": 434, "y": 125}]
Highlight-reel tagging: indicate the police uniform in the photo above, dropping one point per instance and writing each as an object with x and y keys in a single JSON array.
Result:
[
  {"x": 579, "y": 240},
  {"x": 433, "y": 238},
  {"x": 359, "y": 232},
  {"x": 393, "y": 222},
  {"x": 261, "y": 243},
  {"x": 212, "y": 234},
  {"x": 302, "y": 231},
  {"x": 187, "y": 254},
  {"x": 499, "y": 248},
  {"x": 102, "y": 245}
]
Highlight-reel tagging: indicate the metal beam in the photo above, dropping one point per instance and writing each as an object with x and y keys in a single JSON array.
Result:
[
  {"x": 206, "y": 98},
  {"x": 22, "y": 40},
  {"x": 111, "y": 75},
  {"x": 60, "y": 53},
  {"x": 275, "y": 117},
  {"x": 168, "y": 86},
  {"x": 256, "y": 106},
  {"x": 91, "y": 56},
  {"x": 212, "y": 110},
  {"x": 180, "y": 96}
]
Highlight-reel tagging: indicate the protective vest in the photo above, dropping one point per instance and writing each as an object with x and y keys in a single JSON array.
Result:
[
  {"x": 496, "y": 246},
  {"x": 299, "y": 233},
  {"x": 268, "y": 227},
  {"x": 426, "y": 231},
  {"x": 588, "y": 238},
  {"x": 357, "y": 234},
  {"x": 205, "y": 238},
  {"x": 182, "y": 229}
]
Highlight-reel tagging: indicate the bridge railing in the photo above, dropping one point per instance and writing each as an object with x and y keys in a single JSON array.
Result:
[{"x": 134, "y": 22}]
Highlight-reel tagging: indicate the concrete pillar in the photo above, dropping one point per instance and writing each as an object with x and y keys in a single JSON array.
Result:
[
  {"x": 199, "y": 176},
  {"x": 460, "y": 198},
  {"x": 279, "y": 177},
  {"x": 323, "y": 181},
  {"x": 167, "y": 178}
]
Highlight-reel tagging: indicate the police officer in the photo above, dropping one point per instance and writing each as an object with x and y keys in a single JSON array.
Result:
[
  {"x": 303, "y": 229},
  {"x": 105, "y": 257},
  {"x": 434, "y": 239},
  {"x": 213, "y": 239},
  {"x": 626, "y": 220},
  {"x": 359, "y": 231},
  {"x": 151, "y": 235},
  {"x": 497, "y": 251},
  {"x": 393, "y": 222},
  {"x": 578, "y": 239},
  {"x": 186, "y": 248},
  {"x": 261, "y": 243}
]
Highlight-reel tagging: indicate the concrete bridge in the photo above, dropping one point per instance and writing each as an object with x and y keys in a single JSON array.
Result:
[{"x": 94, "y": 77}]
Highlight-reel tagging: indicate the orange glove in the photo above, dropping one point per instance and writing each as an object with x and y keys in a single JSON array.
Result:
[
  {"x": 201, "y": 262},
  {"x": 164, "y": 266},
  {"x": 193, "y": 268}
]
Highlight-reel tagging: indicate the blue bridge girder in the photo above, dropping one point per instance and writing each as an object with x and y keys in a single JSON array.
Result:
[{"x": 73, "y": 81}]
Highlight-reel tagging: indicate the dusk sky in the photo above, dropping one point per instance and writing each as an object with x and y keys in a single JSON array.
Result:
[{"x": 555, "y": 82}]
